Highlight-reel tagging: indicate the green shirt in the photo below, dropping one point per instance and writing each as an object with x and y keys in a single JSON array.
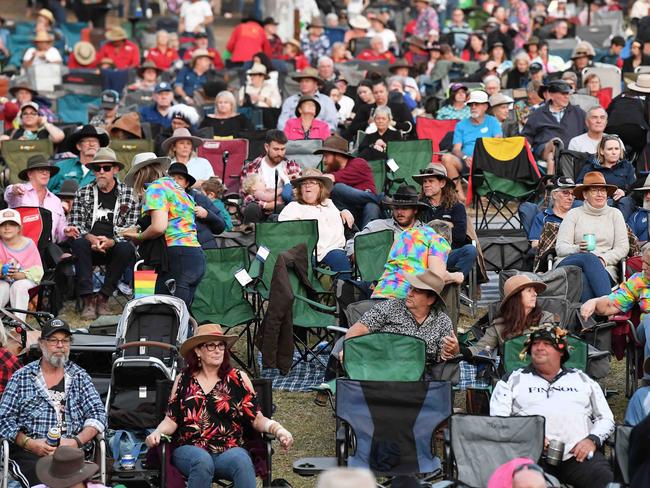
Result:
[{"x": 70, "y": 169}]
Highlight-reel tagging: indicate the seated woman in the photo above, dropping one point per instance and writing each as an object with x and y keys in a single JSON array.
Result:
[
  {"x": 305, "y": 125},
  {"x": 225, "y": 121},
  {"x": 181, "y": 148},
  {"x": 455, "y": 107},
  {"x": 610, "y": 162},
  {"x": 593, "y": 237},
  {"x": 224, "y": 400},
  {"x": 373, "y": 146},
  {"x": 311, "y": 201},
  {"x": 561, "y": 201},
  {"x": 593, "y": 87},
  {"x": 258, "y": 92},
  {"x": 518, "y": 76},
  {"x": 34, "y": 126}
]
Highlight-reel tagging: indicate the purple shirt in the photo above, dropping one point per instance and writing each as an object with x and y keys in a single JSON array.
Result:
[{"x": 51, "y": 202}]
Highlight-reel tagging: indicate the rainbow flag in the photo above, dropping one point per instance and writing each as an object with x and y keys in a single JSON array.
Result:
[{"x": 145, "y": 283}]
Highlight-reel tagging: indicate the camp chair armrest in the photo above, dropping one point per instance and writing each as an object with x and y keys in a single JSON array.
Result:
[
  {"x": 319, "y": 306},
  {"x": 336, "y": 328},
  {"x": 621, "y": 317}
]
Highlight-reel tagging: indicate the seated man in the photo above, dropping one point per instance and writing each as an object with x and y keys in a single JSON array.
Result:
[
  {"x": 638, "y": 221},
  {"x": 588, "y": 142},
  {"x": 52, "y": 392},
  {"x": 99, "y": 209},
  {"x": 354, "y": 186},
  {"x": 574, "y": 406},
  {"x": 158, "y": 112}
]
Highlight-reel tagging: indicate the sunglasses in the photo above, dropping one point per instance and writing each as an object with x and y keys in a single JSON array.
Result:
[
  {"x": 528, "y": 466},
  {"x": 98, "y": 168}
]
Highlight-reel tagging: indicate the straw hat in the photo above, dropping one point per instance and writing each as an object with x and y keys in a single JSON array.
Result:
[
  {"x": 258, "y": 69},
  {"x": 334, "y": 144},
  {"x": 429, "y": 280},
  {"x": 66, "y": 467},
  {"x": 516, "y": 283},
  {"x": 294, "y": 43},
  {"x": 106, "y": 155},
  {"x": 207, "y": 333},
  {"x": 179, "y": 135},
  {"x": 116, "y": 33},
  {"x": 433, "y": 169},
  {"x": 307, "y": 73},
  {"x": 199, "y": 53},
  {"x": 46, "y": 14},
  {"x": 84, "y": 52},
  {"x": 43, "y": 37},
  {"x": 312, "y": 174},
  {"x": 583, "y": 48},
  {"x": 359, "y": 22},
  {"x": 142, "y": 160},
  {"x": 591, "y": 179},
  {"x": 642, "y": 83},
  {"x": 35, "y": 162}
]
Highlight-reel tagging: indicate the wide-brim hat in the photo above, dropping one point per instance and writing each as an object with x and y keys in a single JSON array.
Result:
[
  {"x": 307, "y": 98},
  {"x": 429, "y": 280},
  {"x": 500, "y": 99},
  {"x": 207, "y": 333},
  {"x": 417, "y": 41},
  {"x": 359, "y": 22},
  {"x": 583, "y": 48},
  {"x": 88, "y": 131},
  {"x": 593, "y": 178},
  {"x": 68, "y": 189},
  {"x": 179, "y": 135},
  {"x": 148, "y": 64},
  {"x": 116, "y": 33},
  {"x": 399, "y": 63},
  {"x": 555, "y": 335},
  {"x": 312, "y": 174},
  {"x": 142, "y": 160},
  {"x": 130, "y": 123},
  {"x": 258, "y": 69},
  {"x": 516, "y": 283},
  {"x": 199, "y": 53},
  {"x": 181, "y": 169},
  {"x": 294, "y": 43},
  {"x": 478, "y": 96},
  {"x": 42, "y": 36},
  {"x": 646, "y": 185},
  {"x": 46, "y": 14},
  {"x": 436, "y": 170},
  {"x": 22, "y": 84},
  {"x": 66, "y": 467},
  {"x": 642, "y": 83},
  {"x": 316, "y": 22},
  {"x": 405, "y": 196},
  {"x": 84, "y": 52},
  {"x": 334, "y": 144},
  {"x": 532, "y": 40},
  {"x": 307, "y": 73},
  {"x": 105, "y": 155},
  {"x": 37, "y": 161}
]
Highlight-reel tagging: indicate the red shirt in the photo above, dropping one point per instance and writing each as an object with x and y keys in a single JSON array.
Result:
[
  {"x": 216, "y": 57},
  {"x": 162, "y": 60},
  {"x": 370, "y": 55},
  {"x": 128, "y": 56},
  {"x": 246, "y": 40},
  {"x": 357, "y": 174}
]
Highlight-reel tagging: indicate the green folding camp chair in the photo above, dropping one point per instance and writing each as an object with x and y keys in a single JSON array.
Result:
[
  {"x": 379, "y": 174},
  {"x": 371, "y": 253},
  {"x": 220, "y": 299},
  {"x": 411, "y": 157},
  {"x": 511, "y": 361},
  {"x": 125, "y": 150},
  {"x": 16, "y": 154}
]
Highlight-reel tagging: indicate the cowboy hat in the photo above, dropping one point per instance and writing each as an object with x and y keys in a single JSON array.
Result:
[
  {"x": 432, "y": 170},
  {"x": 181, "y": 169},
  {"x": 334, "y": 144},
  {"x": 37, "y": 161},
  {"x": 417, "y": 41},
  {"x": 258, "y": 69},
  {"x": 179, "y": 135},
  {"x": 68, "y": 189},
  {"x": 316, "y": 22},
  {"x": 307, "y": 98},
  {"x": 399, "y": 63},
  {"x": 66, "y": 467},
  {"x": 500, "y": 99},
  {"x": 646, "y": 185},
  {"x": 405, "y": 196},
  {"x": 532, "y": 41},
  {"x": 142, "y": 160},
  {"x": 554, "y": 335},
  {"x": 88, "y": 131},
  {"x": 207, "y": 333},
  {"x": 642, "y": 83},
  {"x": 105, "y": 155},
  {"x": 294, "y": 43},
  {"x": 84, "y": 52},
  {"x": 116, "y": 33},
  {"x": 591, "y": 179},
  {"x": 199, "y": 53},
  {"x": 359, "y": 22},
  {"x": 516, "y": 283},
  {"x": 583, "y": 48},
  {"x": 23, "y": 84},
  {"x": 46, "y": 14},
  {"x": 429, "y": 280},
  {"x": 129, "y": 123},
  {"x": 312, "y": 174},
  {"x": 148, "y": 64},
  {"x": 43, "y": 37},
  {"x": 307, "y": 73}
]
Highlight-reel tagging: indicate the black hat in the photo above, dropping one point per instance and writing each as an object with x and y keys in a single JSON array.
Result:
[
  {"x": 559, "y": 86},
  {"x": 405, "y": 196},
  {"x": 37, "y": 161},
  {"x": 200, "y": 35},
  {"x": 54, "y": 325},
  {"x": 269, "y": 21},
  {"x": 68, "y": 189},
  {"x": 88, "y": 131},
  {"x": 535, "y": 67},
  {"x": 181, "y": 169}
]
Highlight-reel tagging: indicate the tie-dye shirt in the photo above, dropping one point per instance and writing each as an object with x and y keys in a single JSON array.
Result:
[
  {"x": 636, "y": 289},
  {"x": 165, "y": 194},
  {"x": 409, "y": 255}
]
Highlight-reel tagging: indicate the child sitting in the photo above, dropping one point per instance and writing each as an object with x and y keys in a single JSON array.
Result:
[
  {"x": 214, "y": 190},
  {"x": 21, "y": 263},
  {"x": 254, "y": 185}
]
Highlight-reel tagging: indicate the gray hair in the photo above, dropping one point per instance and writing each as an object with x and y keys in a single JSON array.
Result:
[
  {"x": 490, "y": 78},
  {"x": 225, "y": 94},
  {"x": 325, "y": 59},
  {"x": 397, "y": 78},
  {"x": 597, "y": 107},
  {"x": 346, "y": 478},
  {"x": 522, "y": 55},
  {"x": 384, "y": 110}
]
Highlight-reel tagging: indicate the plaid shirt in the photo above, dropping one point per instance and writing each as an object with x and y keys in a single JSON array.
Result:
[
  {"x": 26, "y": 406},
  {"x": 83, "y": 207},
  {"x": 314, "y": 49},
  {"x": 291, "y": 167},
  {"x": 10, "y": 365}
]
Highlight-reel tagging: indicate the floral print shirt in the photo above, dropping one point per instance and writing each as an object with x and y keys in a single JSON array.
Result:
[{"x": 213, "y": 421}]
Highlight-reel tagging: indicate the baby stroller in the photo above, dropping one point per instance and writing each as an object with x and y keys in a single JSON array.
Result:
[{"x": 145, "y": 365}]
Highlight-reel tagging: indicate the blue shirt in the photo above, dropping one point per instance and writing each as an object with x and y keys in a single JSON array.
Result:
[
  {"x": 467, "y": 132},
  {"x": 638, "y": 222},
  {"x": 189, "y": 80},
  {"x": 148, "y": 113},
  {"x": 639, "y": 406}
]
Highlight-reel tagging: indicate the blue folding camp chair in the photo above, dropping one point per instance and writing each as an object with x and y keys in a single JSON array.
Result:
[{"x": 73, "y": 108}]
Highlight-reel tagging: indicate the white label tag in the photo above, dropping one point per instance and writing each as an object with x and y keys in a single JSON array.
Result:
[
  {"x": 142, "y": 392},
  {"x": 243, "y": 277},
  {"x": 392, "y": 165},
  {"x": 262, "y": 253},
  {"x": 143, "y": 349}
]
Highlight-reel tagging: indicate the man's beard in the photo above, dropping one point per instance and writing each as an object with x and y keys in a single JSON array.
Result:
[
  {"x": 57, "y": 361},
  {"x": 646, "y": 204}
]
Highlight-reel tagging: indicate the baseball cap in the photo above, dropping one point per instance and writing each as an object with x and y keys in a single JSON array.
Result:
[
  {"x": 535, "y": 68},
  {"x": 33, "y": 105},
  {"x": 10, "y": 215},
  {"x": 54, "y": 325},
  {"x": 109, "y": 99},
  {"x": 163, "y": 86}
]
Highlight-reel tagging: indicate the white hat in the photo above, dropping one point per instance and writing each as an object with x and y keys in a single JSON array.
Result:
[
  {"x": 10, "y": 215},
  {"x": 477, "y": 96},
  {"x": 500, "y": 99}
]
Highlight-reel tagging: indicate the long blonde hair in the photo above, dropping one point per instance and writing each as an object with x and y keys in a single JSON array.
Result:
[{"x": 146, "y": 175}]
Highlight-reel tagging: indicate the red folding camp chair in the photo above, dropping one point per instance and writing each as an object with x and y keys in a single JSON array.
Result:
[
  {"x": 237, "y": 151},
  {"x": 433, "y": 129}
]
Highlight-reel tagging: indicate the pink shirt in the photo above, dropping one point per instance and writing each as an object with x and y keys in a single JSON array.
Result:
[
  {"x": 27, "y": 256},
  {"x": 294, "y": 132},
  {"x": 51, "y": 203}
]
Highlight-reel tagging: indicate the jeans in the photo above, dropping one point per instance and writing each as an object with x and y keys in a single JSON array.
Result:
[
  {"x": 364, "y": 205},
  {"x": 595, "y": 278},
  {"x": 643, "y": 331},
  {"x": 116, "y": 259},
  {"x": 337, "y": 260},
  {"x": 200, "y": 467},
  {"x": 186, "y": 267},
  {"x": 462, "y": 259}
]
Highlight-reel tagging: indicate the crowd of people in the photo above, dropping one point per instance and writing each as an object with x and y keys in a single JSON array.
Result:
[{"x": 358, "y": 79}]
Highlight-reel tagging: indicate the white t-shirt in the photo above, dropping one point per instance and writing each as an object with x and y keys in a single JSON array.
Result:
[
  {"x": 195, "y": 13},
  {"x": 584, "y": 143},
  {"x": 268, "y": 174},
  {"x": 52, "y": 55}
]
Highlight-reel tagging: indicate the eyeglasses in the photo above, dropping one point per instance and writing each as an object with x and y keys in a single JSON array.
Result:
[
  {"x": 97, "y": 168},
  {"x": 310, "y": 183},
  {"x": 56, "y": 342},
  {"x": 211, "y": 346},
  {"x": 528, "y": 466}
]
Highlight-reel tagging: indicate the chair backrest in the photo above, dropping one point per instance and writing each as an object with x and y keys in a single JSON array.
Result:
[
  {"x": 378, "y": 169},
  {"x": 335, "y": 34},
  {"x": 564, "y": 283},
  {"x": 527, "y": 212},
  {"x": 433, "y": 129},
  {"x": 480, "y": 444},
  {"x": 237, "y": 149},
  {"x": 45, "y": 77},
  {"x": 371, "y": 253},
  {"x": 503, "y": 248},
  {"x": 411, "y": 157},
  {"x": 72, "y": 108},
  {"x": 18, "y": 44},
  {"x": 597, "y": 35},
  {"x": 384, "y": 357},
  {"x": 125, "y": 150},
  {"x": 569, "y": 163},
  {"x": 16, "y": 153},
  {"x": 83, "y": 82},
  {"x": 584, "y": 101},
  {"x": 36, "y": 225},
  {"x": 561, "y": 44},
  {"x": 302, "y": 152},
  {"x": 578, "y": 350},
  {"x": 219, "y": 298},
  {"x": 72, "y": 33},
  {"x": 393, "y": 423},
  {"x": 116, "y": 79},
  {"x": 358, "y": 44},
  {"x": 610, "y": 76},
  {"x": 613, "y": 19}
]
